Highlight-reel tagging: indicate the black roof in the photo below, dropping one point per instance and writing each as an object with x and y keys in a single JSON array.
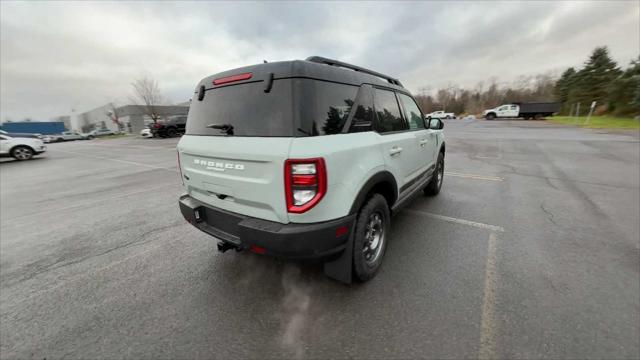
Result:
[{"x": 313, "y": 67}]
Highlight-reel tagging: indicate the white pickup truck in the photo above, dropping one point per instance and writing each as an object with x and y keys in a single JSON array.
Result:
[
  {"x": 440, "y": 115},
  {"x": 522, "y": 110},
  {"x": 67, "y": 136}
]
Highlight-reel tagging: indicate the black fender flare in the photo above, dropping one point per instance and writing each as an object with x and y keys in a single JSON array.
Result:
[{"x": 378, "y": 178}]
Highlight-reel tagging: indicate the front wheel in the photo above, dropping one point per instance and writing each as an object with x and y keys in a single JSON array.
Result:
[
  {"x": 490, "y": 116},
  {"x": 171, "y": 132},
  {"x": 433, "y": 188},
  {"x": 370, "y": 238},
  {"x": 22, "y": 153}
]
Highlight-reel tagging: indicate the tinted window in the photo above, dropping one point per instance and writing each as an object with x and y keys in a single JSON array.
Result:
[
  {"x": 412, "y": 112},
  {"x": 247, "y": 108},
  {"x": 387, "y": 112},
  {"x": 328, "y": 113},
  {"x": 177, "y": 120},
  {"x": 363, "y": 116}
]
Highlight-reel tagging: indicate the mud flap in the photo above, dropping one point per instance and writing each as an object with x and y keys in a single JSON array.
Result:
[{"x": 341, "y": 269}]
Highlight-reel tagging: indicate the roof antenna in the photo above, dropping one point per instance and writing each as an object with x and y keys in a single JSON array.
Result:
[{"x": 264, "y": 61}]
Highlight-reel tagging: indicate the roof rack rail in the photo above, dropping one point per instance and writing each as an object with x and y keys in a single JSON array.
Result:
[{"x": 322, "y": 60}]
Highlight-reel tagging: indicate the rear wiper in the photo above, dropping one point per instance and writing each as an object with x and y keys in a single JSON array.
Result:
[{"x": 225, "y": 128}]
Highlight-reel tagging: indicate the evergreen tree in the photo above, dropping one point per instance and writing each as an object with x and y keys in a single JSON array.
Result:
[
  {"x": 592, "y": 83},
  {"x": 624, "y": 92},
  {"x": 563, "y": 86}
]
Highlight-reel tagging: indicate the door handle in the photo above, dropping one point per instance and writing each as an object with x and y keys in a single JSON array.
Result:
[
  {"x": 395, "y": 150},
  {"x": 424, "y": 142}
]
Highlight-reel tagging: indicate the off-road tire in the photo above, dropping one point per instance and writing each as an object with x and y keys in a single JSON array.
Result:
[
  {"x": 364, "y": 269},
  {"x": 434, "y": 186}
]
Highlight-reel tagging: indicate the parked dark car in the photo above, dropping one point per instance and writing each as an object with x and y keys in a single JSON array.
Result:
[{"x": 172, "y": 127}]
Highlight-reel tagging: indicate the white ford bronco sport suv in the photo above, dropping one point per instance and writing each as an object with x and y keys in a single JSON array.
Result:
[{"x": 306, "y": 160}]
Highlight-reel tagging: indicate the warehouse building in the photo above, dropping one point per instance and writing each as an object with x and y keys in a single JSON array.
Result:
[{"x": 127, "y": 118}]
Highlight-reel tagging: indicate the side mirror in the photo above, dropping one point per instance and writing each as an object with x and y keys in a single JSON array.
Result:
[{"x": 436, "y": 124}]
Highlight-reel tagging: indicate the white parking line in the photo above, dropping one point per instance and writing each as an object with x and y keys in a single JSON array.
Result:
[
  {"x": 474, "y": 176},
  {"x": 487, "y": 348},
  {"x": 94, "y": 201},
  {"x": 456, "y": 220},
  {"x": 487, "y": 322},
  {"x": 117, "y": 160}
]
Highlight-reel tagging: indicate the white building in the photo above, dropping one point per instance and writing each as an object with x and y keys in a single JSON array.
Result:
[{"x": 128, "y": 118}]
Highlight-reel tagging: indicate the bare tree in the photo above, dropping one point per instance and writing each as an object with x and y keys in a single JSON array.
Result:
[
  {"x": 147, "y": 92},
  {"x": 114, "y": 115}
]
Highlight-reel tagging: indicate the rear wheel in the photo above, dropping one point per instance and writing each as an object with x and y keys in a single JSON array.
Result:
[
  {"x": 538, "y": 116},
  {"x": 370, "y": 237},
  {"x": 22, "y": 153},
  {"x": 171, "y": 132},
  {"x": 433, "y": 188}
]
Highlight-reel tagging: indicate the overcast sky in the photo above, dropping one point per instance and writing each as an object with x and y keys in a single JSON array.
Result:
[{"x": 59, "y": 56}]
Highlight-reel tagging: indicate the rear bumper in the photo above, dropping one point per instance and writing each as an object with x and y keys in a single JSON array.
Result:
[{"x": 293, "y": 241}]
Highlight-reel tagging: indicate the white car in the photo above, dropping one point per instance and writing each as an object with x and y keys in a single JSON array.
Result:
[
  {"x": 440, "y": 115},
  {"x": 146, "y": 133},
  {"x": 20, "y": 148},
  {"x": 67, "y": 136}
]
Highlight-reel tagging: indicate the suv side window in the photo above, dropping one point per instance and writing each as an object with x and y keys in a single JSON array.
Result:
[
  {"x": 387, "y": 112},
  {"x": 332, "y": 106},
  {"x": 363, "y": 114},
  {"x": 412, "y": 112}
]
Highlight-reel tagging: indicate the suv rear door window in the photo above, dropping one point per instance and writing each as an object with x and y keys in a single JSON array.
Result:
[
  {"x": 412, "y": 112},
  {"x": 387, "y": 112}
]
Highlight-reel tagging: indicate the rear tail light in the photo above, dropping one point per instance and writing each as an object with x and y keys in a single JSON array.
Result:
[{"x": 305, "y": 182}]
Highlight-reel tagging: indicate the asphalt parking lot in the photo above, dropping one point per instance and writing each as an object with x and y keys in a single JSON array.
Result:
[{"x": 530, "y": 251}]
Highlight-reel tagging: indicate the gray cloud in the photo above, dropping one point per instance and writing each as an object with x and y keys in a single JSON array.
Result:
[{"x": 58, "y": 56}]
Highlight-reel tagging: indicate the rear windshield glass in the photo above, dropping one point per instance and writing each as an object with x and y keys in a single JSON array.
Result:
[
  {"x": 247, "y": 108},
  {"x": 292, "y": 108}
]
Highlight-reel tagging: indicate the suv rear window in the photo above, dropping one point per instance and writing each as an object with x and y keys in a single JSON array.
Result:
[{"x": 293, "y": 107}]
